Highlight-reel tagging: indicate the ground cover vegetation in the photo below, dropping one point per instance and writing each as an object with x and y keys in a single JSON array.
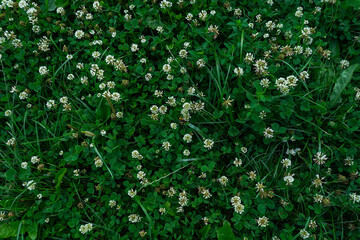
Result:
[{"x": 179, "y": 119}]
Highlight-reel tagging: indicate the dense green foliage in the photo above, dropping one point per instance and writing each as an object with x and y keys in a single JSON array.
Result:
[{"x": 180, "y": 119}]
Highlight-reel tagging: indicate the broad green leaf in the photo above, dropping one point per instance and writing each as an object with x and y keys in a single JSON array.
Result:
[
  {"x": 32, "y": 230},
  {"x": 69, "y": 157},
  {"x": 351, "y": 3},
  {"x": 9, "y": 229},
  {"x": 341, "y": 83},
  {"x": 51, "y": 5},
  {"x": 10, "y": 174},
  {"x": 261, "y": 208},
  {"x": 151, "y": 224},
  {"x": 59, "y": 176},
  {"x": 282, "y": 213},
  {"x": 334, "y": 47},
  {"x": 204, "y": 231},
  {"x": 103, "y": 111},
  {"x": 233, "y": 131},
  {"x": 61, "y": 3},
  {"x": 198, "y": 130},
  {"x": 225, "y": 232}
]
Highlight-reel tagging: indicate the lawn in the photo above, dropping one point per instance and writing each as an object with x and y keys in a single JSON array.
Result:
[{"x": 180, "y": 119}]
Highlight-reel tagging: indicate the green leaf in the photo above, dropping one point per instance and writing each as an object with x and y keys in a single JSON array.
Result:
[
  {"x": 261, "y": 208},
  {"x": 341, "y": 83},
  {"x": 51, "y": 5},
  {"x": 317, "y": 208},
  {"x": 61, "y": 3},
  {"x": 10, "y": 174},
  {"x": 9, "y": 229},
  {"x": 134, "y": 23},
  {"x": 32, "y": 231},
  {"x": 151, "y": 224},
  {"x": 282, "y": 213},
  {"x": 59, "y": 176},
  {"x": 170, "y": 210},
  {"x": 73, "y": 222},
  {"x": 233, "y": 131},
  {"x": 204, "y": 231},
  {"x": 225, "y": 232},
  {"x": 103, "y": 111},
  {"x": 305, "y": 106},
  {"x": 70, "y": 157},
  {"x": 20, "y": 55},
  {"x": 334, "y": 47},
  {"x": 351, "y": 3}
]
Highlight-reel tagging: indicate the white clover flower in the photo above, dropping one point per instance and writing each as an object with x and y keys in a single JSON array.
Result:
[
  {"x": 23, "y": 4},
  {"x": 136, "y": 154},
  {"x": 187, "y": 138},
  {"x": 23, "y": 95},
  {"x": 320, "y": 158},
  {"x": 64, "y": 100},
  {"x": 96, "y": 55},
  {"x": 200, "y": 63},
  {"x": 286, "y": 162},
  {"x": 208, "y": 143},
  {"x": 263, "y": 221},
  {"x": 148, "y": 77},
  {"x": 8, "y": 113},
  {"x": 60, "y": 10},
  {"x": 166, "y": 145},
  {"x": 35, "y": 159},
  {"x": 31, "y": 185},
  {"x": 189, "y": 17},
  {"x": 70, "y": 76},
  {"x": 97, "y": 6},
  {"x": 132, "y": 193},
  {"x": 268, "y": 133},
  {"x": 154, "y": 109},
  {"x": 166, "y": 68},
  {"x": 355, "y": 198},
  {"x": 86, "y": 228},
  {"x": 239, "y": 71},
  {"x": 183, "y": 53},
  {"x": 160, "y": 29},
  {"x": 299, "y": 12},
  {"x": 304, "y": 234},
  {"x": 24, "y": 165},
  {"x": 98, "y": 163},
  {"x": 344, "y": 64},
  {"x": 134, "y": 218},
  {"x": 203, "y": 15},
  {"x": 162, "y": 109},
  {"x": 76, "y": 172},
  {"x": 79, "y": 34},
  {"x": 134, "y": 47},
  {"x": 43, "y": 70},
  {"x": 186, "y": 152},
  {"x": 239, "y": 208},
  {"x": 112, "y": 203},
  {"x": 83, "y": 229},
  {"x": 223, "y": 180},
  {"x": 11, "y": 142},
  {"x": 289, "y": 179},
  {"x": 119, "y": 114},
  {"x": 141, "y": 175},
  {"x": 237, "y": 162}
]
